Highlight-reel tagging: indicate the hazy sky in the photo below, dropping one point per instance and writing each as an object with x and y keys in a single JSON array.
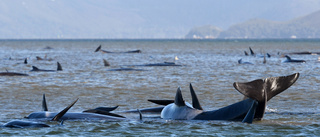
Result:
[{"x": 136, "y": 18}]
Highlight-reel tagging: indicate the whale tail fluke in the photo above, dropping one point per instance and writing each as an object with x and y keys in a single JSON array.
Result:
[
  {"x": 264, "y": 90},
  {"x": 98, "y": 49},
  {"x": 59, "y": 67},
  {"x": 64, "y": 111},
  {"x": 195, "y": 101},
  {"x": 272, "y": 86},
  {"x": 178, "y": 99}
]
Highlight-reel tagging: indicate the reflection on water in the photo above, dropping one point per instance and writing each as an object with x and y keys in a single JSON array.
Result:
[{"x": 210, "y": 65}]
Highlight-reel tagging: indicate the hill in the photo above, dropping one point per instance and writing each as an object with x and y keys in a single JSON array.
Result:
[{"x": 303, "y": 27}]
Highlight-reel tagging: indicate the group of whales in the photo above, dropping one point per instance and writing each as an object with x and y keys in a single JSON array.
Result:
[
  {"x": 257, "y": 93},
  {"x": 288, "y": 58}
]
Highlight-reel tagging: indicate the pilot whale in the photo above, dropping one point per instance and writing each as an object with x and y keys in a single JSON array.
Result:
[
  {"x": 293, "y": 60},
  {"x": 46, "y": 115},
  {"x": 33, "y": 124},
  {"x": 12, "y": 74},
  {"x": 105, "y": 51},
  {"x": 257, "y": 93},
  {"x": 59, "y": 68}
]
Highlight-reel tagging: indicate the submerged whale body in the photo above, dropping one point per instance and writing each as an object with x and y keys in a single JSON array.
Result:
[
  {"x": 12, "y": 74},
  {"x": 105, "y": 51},
  {"x": 24, "y": 124},
  {"x": 159, "y": 64},
  {"x": 126, "y": 69}
]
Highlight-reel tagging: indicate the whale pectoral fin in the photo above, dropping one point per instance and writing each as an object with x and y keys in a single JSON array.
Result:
[
  {"x": 251, "y": 113},
  {"x": 252, "y": 89},
  {"x": 195, "y": 101},
  {"x": 161, "y": 102},
  {"x": 276, "y": 85},
  {"x": 59, "y": 67},
  {"x": 64, "y": 111},
  {"x": 107, "y": 108},
  {"x": 98, "y": 49},
  {"x": 179, "y": 99},
  {"x": 44, "y": 103}
]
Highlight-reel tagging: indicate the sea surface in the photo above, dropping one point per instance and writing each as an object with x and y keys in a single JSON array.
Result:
[{"x": 210, "y": 65}]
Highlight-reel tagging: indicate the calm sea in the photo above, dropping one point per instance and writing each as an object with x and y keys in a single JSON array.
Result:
[{"x": 210, "y": 65}]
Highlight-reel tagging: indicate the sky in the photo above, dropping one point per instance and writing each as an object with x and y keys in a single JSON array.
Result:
[{"x": 33, "y": 19}]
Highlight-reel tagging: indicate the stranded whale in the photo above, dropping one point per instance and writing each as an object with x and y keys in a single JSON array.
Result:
[
  {"x": 257, "y": 93},
  {"x": 89, "y": 115},
  {"x": 32, "y": 124}
]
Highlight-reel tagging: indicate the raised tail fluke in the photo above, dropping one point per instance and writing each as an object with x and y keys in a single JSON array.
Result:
[
  {"x": 64, "y": 111},
  {"x": 195, "y": 101},
  {"x": 271, "y": 86},
  {"x": 276, "y": 85},
  {"x": 253, "y": 89},
  {"x": 44, "y": 103}
]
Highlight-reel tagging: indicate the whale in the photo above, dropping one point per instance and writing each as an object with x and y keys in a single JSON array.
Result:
[
  {"x": 289, "y": 60},
  {"x": 159, "y": 64},
  {"x": 85, "y": 115},
  {"x": 34, "y": 124},
  {"x": 105, "y": 51},
  {"x": 241, "y": 62},
  {"x": 36, "y": 69},
  {"x": 256, "y": 95},
  {"x": 12, "y": 74},
  {"x": 181, "y": 110},
  {"x": 126, "y": 69}
]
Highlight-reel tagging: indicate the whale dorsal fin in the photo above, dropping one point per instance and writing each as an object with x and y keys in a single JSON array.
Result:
[
  {"x": 246, "y": 53},
  {"x": 34, "y": 68},
  {"x": 288, "y": 58},
  {"x": 25, "y": 61},
  {"x": 59, "y": 68},
  {"x": 98, "y": 49},
  {"x": 7, "y": 70},
  {"x": 178, "y": 99},
  {"x": 64, "y": 111},
  {"x": 195, "y": 101},
  {"x": 276, "y": 85},
  {"x": 44, "y": 103},
  {"x": 251, "y": 51},
  {"x": 106, "y": 63}
]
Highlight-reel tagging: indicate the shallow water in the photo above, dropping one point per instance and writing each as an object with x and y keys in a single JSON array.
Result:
[{"x": 210, "y": 65}]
